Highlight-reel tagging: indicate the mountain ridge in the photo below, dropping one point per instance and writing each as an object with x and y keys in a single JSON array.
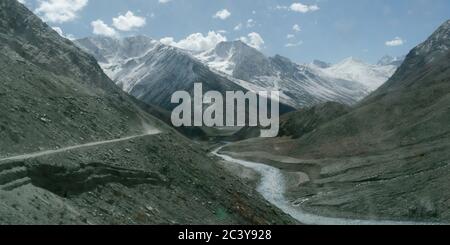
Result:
[
  {"x": 233, "y": 63},
  {"x": 297, "y": 81}
]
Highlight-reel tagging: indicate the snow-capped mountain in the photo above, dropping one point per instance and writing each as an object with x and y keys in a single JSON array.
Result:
[
  {"x": 302, "y": 85},
  {"x": 351, "y": 69},
  {"x": 115, "y": 56},
  {"x": 152, "y": 71}
]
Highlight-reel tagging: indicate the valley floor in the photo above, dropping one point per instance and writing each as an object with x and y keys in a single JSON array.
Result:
[{"x": 297, "y": 187}]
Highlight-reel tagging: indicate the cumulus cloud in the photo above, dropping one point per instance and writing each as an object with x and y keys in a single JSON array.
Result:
[
  {"x": 100, "y": 28},
  {"x": 398, "y": 41},
  {"x": 60, "y": 11},
  {"x": 296, "y": 28},
  {"x": 290, "y": 36},
  {"x": 22, "y": 1},
  {"x": 196, "y": 41},
  {"x": 253, "y": 40},
  {"x": 299, "y": 7},
  {"x": 164, "y": 1},
  {"x": 168, "y": 41},
  {"x": 222, "y": 14},
  {"x": 128, "y": 22}
]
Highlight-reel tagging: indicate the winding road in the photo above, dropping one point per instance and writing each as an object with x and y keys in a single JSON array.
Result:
[
  {"x": 272, "y": 187},
  {"x": 13, "y": 172},
  {"x": 69, "y": 148}
]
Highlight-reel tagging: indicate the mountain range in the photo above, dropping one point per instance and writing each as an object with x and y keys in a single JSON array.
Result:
[{"x": 152, "y": 71}]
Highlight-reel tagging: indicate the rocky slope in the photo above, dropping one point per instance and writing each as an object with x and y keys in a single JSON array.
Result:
[
  {"x": 297, "y": 123},
  {"x": 52, "y": 94},
  {"x": 301, "y": 122},
  {"x": 388, "y": 157},
  {"x": 55, "y": 96}
]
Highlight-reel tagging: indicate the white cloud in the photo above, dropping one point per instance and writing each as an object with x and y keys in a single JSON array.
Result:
[
  {"x": 291, "y": 45},
  {"x": 168, "y": 41},
  {"x": 128, "y": 22},
  {"x": 222, "y": 14},
  {"x": 299, "y": 7},
  {"x": 164, "y": 1},
  {"x": 398, "y": 41},
  {"x": 60, "y": 11},
  {"x": 62, "y": 34},
  {"x": 196, "y": 41},
  {"x": 253, "y": 40},
  {"x": 22, "y": 1},
  {"x": 290, "y": 36},
  {"x": 303, "y": 8},
  {"x": 238, "y": 27},
  {"x": 296, "y": 28},
  {"x": 100, "y": 28}
]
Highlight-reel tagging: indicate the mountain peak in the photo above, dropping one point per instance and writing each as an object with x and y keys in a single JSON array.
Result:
[
  {"x": 237, "y": 46},
  {"x": 438, "y": 42},
  {"x": 236, "y": 51},
  {"x": 236, "y": 43},
  {"x": 127, "y": 47}
]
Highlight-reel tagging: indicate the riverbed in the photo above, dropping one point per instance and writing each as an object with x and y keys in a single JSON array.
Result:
[{"x": 272, "y": 186}]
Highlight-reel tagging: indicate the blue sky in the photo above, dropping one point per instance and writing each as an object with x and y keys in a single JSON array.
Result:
[{"x": 304, "y": 30}]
